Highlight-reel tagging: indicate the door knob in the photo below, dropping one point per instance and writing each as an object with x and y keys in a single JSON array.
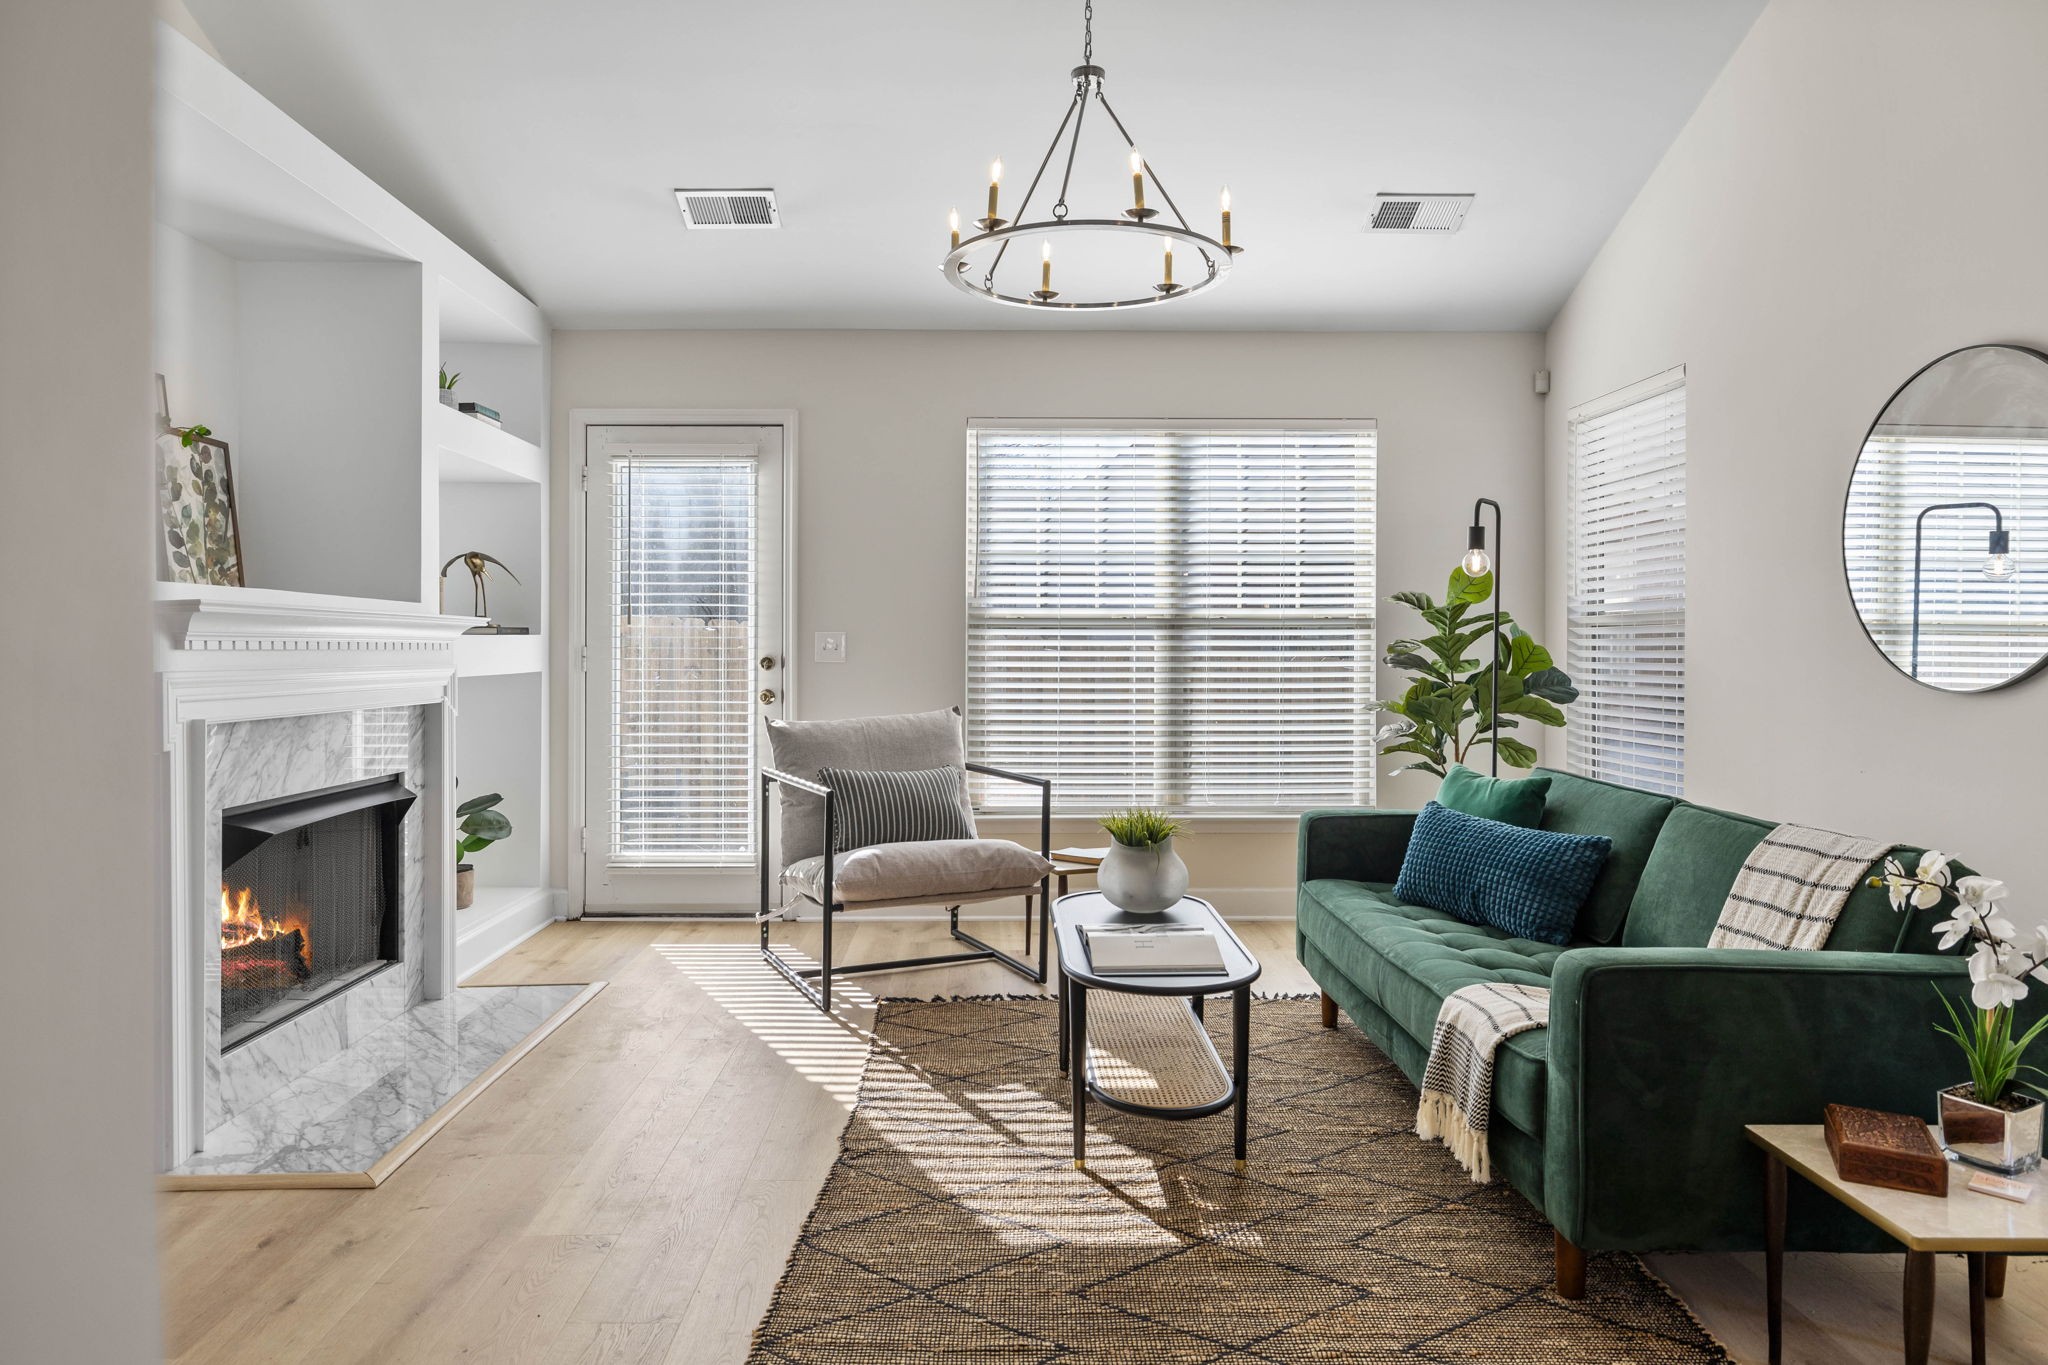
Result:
[
  {"x": 767, "y": 696},
  {"x": 767, "y": 662}
]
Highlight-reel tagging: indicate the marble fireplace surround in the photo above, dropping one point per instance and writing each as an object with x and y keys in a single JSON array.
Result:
[{"x": 264, "y": 701}]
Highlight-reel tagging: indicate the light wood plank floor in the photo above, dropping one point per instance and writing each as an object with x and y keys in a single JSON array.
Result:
[{"x": 629, "y": 1191}]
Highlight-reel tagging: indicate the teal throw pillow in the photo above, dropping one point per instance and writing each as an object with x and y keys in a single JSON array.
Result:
[
  {"x": 1526, "y": 882},
  {"x": 1511, "y": 800}
]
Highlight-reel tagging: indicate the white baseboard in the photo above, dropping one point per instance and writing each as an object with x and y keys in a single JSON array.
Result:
[{"x": 485, "y": 933}]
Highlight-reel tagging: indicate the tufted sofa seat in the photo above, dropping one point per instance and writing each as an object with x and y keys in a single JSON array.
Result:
[{"x": 1409, "y": 957}]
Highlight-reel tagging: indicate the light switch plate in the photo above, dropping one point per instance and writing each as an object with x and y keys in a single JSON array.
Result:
[{"x": 828, "y": 647}]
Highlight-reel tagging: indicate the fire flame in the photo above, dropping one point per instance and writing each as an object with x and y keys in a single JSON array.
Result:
[{"x": 242, "y": 920}]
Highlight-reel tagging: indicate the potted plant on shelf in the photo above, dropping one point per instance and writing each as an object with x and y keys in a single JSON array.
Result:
[
  {"x": 1141, "y": 875},
  {"x": 479, "y": 824},
  {"x": 1985, "y": 1120},
  {"x": 448, "y": 385},
  {"x": 1449, "y": 711}
]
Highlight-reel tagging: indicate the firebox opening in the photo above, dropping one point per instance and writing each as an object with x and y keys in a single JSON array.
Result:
[{"x": 311, "y": 900}]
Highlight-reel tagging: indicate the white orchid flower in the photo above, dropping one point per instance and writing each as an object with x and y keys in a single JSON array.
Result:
[
  {"x": 1931, "y": 880},
  {"x": 1959, "y": 926},
  {"x": 1979, "y": 892},
  {"x": 1895, "y": 883},
  {"x": 1991, "y": 987}
]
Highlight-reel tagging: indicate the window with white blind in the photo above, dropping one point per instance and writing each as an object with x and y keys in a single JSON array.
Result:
[
  {"x": 683, "y": 673},
  {"x": 1178, "y": 616},
  {"x": 1975, "y": 632},
  {"x": 1625, "y": 592}
]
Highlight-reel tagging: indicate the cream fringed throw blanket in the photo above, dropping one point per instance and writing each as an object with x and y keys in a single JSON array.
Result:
[
  {"x": 1789, "y": 894},
  {"x": 1792, "y": 887},
  {"x": 1457, "y": 1088}
]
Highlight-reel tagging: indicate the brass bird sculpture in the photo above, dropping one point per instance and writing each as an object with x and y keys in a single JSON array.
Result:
[{"x": 478, "y": 564}]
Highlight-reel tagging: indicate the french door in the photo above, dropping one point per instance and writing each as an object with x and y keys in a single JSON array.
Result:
[{"x": 684, "y": 657}]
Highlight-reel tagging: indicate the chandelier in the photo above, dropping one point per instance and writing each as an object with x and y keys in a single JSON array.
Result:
[{"x": 972, "y": 263}]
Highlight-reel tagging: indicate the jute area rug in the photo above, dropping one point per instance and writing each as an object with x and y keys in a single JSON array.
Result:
[{"x": 954, "y": 1226}]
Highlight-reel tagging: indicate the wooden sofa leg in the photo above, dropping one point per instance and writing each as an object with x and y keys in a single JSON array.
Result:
[
  {"x": 1329, "y": 1011},
  {"x": 1571, "y": 1268}
]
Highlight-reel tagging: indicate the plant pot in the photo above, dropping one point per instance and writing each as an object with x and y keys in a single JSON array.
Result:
[
  {"x": 447, "y": 398},
  {"x": 1989, "y": 1135},
  {"x": 465, "y": 886},
  {"x": 1143, "y": 881}
]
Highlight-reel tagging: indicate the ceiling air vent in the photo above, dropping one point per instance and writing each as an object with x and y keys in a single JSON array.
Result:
[
  {"x": 728, "y": 208},
  {"x": 1418, "y": 212}
]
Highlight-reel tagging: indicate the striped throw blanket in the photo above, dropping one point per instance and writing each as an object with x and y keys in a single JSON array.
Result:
[
  {"x": 1457, "y": 1086},
  {"x": 1792, "y": 887}
]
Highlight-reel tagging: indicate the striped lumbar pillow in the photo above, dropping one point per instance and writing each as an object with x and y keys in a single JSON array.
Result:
[{"x": 896, "y": 808}]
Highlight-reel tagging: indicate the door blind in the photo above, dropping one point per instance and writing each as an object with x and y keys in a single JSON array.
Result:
[
  {"x": 1975, "y": 633},
  {"x": 1625, "y": 599},
  {"x": 1175, "y": 616},
  {"x": 684, "y": 624}
]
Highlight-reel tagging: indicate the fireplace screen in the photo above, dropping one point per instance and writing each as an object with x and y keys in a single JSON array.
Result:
[{"x": 311, "y": 900}]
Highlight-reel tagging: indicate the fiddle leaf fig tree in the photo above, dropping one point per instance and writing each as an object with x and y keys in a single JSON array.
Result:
[{"x": 1449, "y": 709}]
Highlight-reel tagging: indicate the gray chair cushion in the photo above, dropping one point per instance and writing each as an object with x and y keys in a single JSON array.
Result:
[
  {"x": 950, "y": 871},
  {"x": 929, "y": 739}
]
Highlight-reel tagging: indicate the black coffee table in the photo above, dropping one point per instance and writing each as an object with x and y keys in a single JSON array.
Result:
[{"x": 1149, "y": 1033}]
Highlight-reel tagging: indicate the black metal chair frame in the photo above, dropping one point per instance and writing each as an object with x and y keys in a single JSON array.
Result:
[{"x": 820, "y": 994}]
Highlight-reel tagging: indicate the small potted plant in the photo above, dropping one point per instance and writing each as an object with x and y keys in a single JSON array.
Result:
[
  {"x": 1986, "y": 1120},
  {"x": 1142, "y": 874},
  {"x": 479, "y": 824},
  {"x": 448, "y": 385}
]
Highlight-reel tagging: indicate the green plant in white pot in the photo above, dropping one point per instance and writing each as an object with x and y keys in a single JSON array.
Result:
[
  {"x": 1142, "y": 875},
  {"x": 479, "y": 824},
  {"x": 1986, "y": 1120}
]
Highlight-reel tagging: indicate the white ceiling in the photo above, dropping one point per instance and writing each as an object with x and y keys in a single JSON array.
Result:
[{"x": 546, "y": 137}]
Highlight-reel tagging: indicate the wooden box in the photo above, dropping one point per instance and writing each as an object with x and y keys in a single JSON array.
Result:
[{"x": 1893, "y": 1151}]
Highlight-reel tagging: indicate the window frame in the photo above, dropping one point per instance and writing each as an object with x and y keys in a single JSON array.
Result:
[
  {"x": 1582, "y": 752},
  {"x": 1207, "y": 816}
]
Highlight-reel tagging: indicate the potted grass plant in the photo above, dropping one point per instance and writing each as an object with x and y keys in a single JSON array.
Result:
[
  {"x": 448, "y": 386},
  {"x": 1142, "y": 875},
  {"x": 1990, "y": 1120}
]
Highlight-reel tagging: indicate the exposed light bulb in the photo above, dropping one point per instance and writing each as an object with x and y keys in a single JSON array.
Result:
[
  {"x": 1226, "y": 198},
  {"x": 953, "y": 226},
  {"x": 1046, "y": 254},
  {"x": 1137, "y": 163},
  {"x": 995, "y": 171},
  {"x": 2002, "y": 568},
  {"x": 1476, "y": 562}
]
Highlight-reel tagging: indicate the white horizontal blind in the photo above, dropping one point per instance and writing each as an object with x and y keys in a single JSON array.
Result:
[
  {"x": 684, "y": 625},
  {"x": 1625, "y": 599},
  {"x": 1176, "y": 616},
  {"x": 1974, "y": 633}
]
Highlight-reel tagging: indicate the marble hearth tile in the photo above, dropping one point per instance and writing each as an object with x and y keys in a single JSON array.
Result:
[{"x": 345, "y": 1113}]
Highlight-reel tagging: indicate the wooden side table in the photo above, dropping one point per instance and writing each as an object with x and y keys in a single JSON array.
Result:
[{"x": 1984, "y": 1229}]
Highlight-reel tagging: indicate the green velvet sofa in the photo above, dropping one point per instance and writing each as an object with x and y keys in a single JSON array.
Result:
[{"x": 1623, "y": 1120}]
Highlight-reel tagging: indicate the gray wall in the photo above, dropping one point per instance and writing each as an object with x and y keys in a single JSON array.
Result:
[
  {"x": 882, "y": 479},
  {"x": 1860, "y": 192},
  {"x": 77, "y": 835}
]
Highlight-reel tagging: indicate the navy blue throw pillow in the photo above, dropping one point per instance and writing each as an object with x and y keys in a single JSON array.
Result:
[{"x": 1526, "y": 882}]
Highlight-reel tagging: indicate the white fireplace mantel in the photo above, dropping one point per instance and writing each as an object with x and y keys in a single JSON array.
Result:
[{"x": 237, "y": 654}]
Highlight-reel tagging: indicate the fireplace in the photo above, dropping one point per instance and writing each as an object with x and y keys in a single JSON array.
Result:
[{"x": 311, "y": 900}]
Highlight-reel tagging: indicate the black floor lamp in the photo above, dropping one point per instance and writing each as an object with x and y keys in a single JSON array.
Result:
[
  {"x": 1998, "y": 563},
  {"x": 1478, "y": 562}
]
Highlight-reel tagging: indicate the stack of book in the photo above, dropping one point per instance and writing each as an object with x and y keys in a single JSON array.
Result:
[
  {"x": 488, "y": 416},
  {"x": 1153, "y": 949}
]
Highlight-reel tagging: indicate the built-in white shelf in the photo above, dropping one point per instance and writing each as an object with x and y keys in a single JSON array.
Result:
[
  {"x": 473, "y": 451},
  {"x": 486, "y": 656}
]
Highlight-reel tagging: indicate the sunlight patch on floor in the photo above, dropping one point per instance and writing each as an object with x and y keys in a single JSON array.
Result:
[{"x": 830, "y": 1050}]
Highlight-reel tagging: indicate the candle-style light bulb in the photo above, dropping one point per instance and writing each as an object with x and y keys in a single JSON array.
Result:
[
  {"x": 995, "y": 180},
  {"x": 1226, "y": 215},
  {"x": 1045, "y": 268},
  {"x": 1137, "y": 179},
  {"x": 953, "y": 225},
  {"x": 1167, "y": 242}
]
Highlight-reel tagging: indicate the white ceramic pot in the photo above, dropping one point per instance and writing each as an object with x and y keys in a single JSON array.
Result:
[{"x": 1143, "y": 881}]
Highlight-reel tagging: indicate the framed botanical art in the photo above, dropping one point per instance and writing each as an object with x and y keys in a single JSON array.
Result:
[{"x": 196, "y": 500}]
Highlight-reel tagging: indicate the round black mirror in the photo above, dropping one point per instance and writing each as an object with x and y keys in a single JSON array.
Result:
[{"x": 1945, "y": 532}]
